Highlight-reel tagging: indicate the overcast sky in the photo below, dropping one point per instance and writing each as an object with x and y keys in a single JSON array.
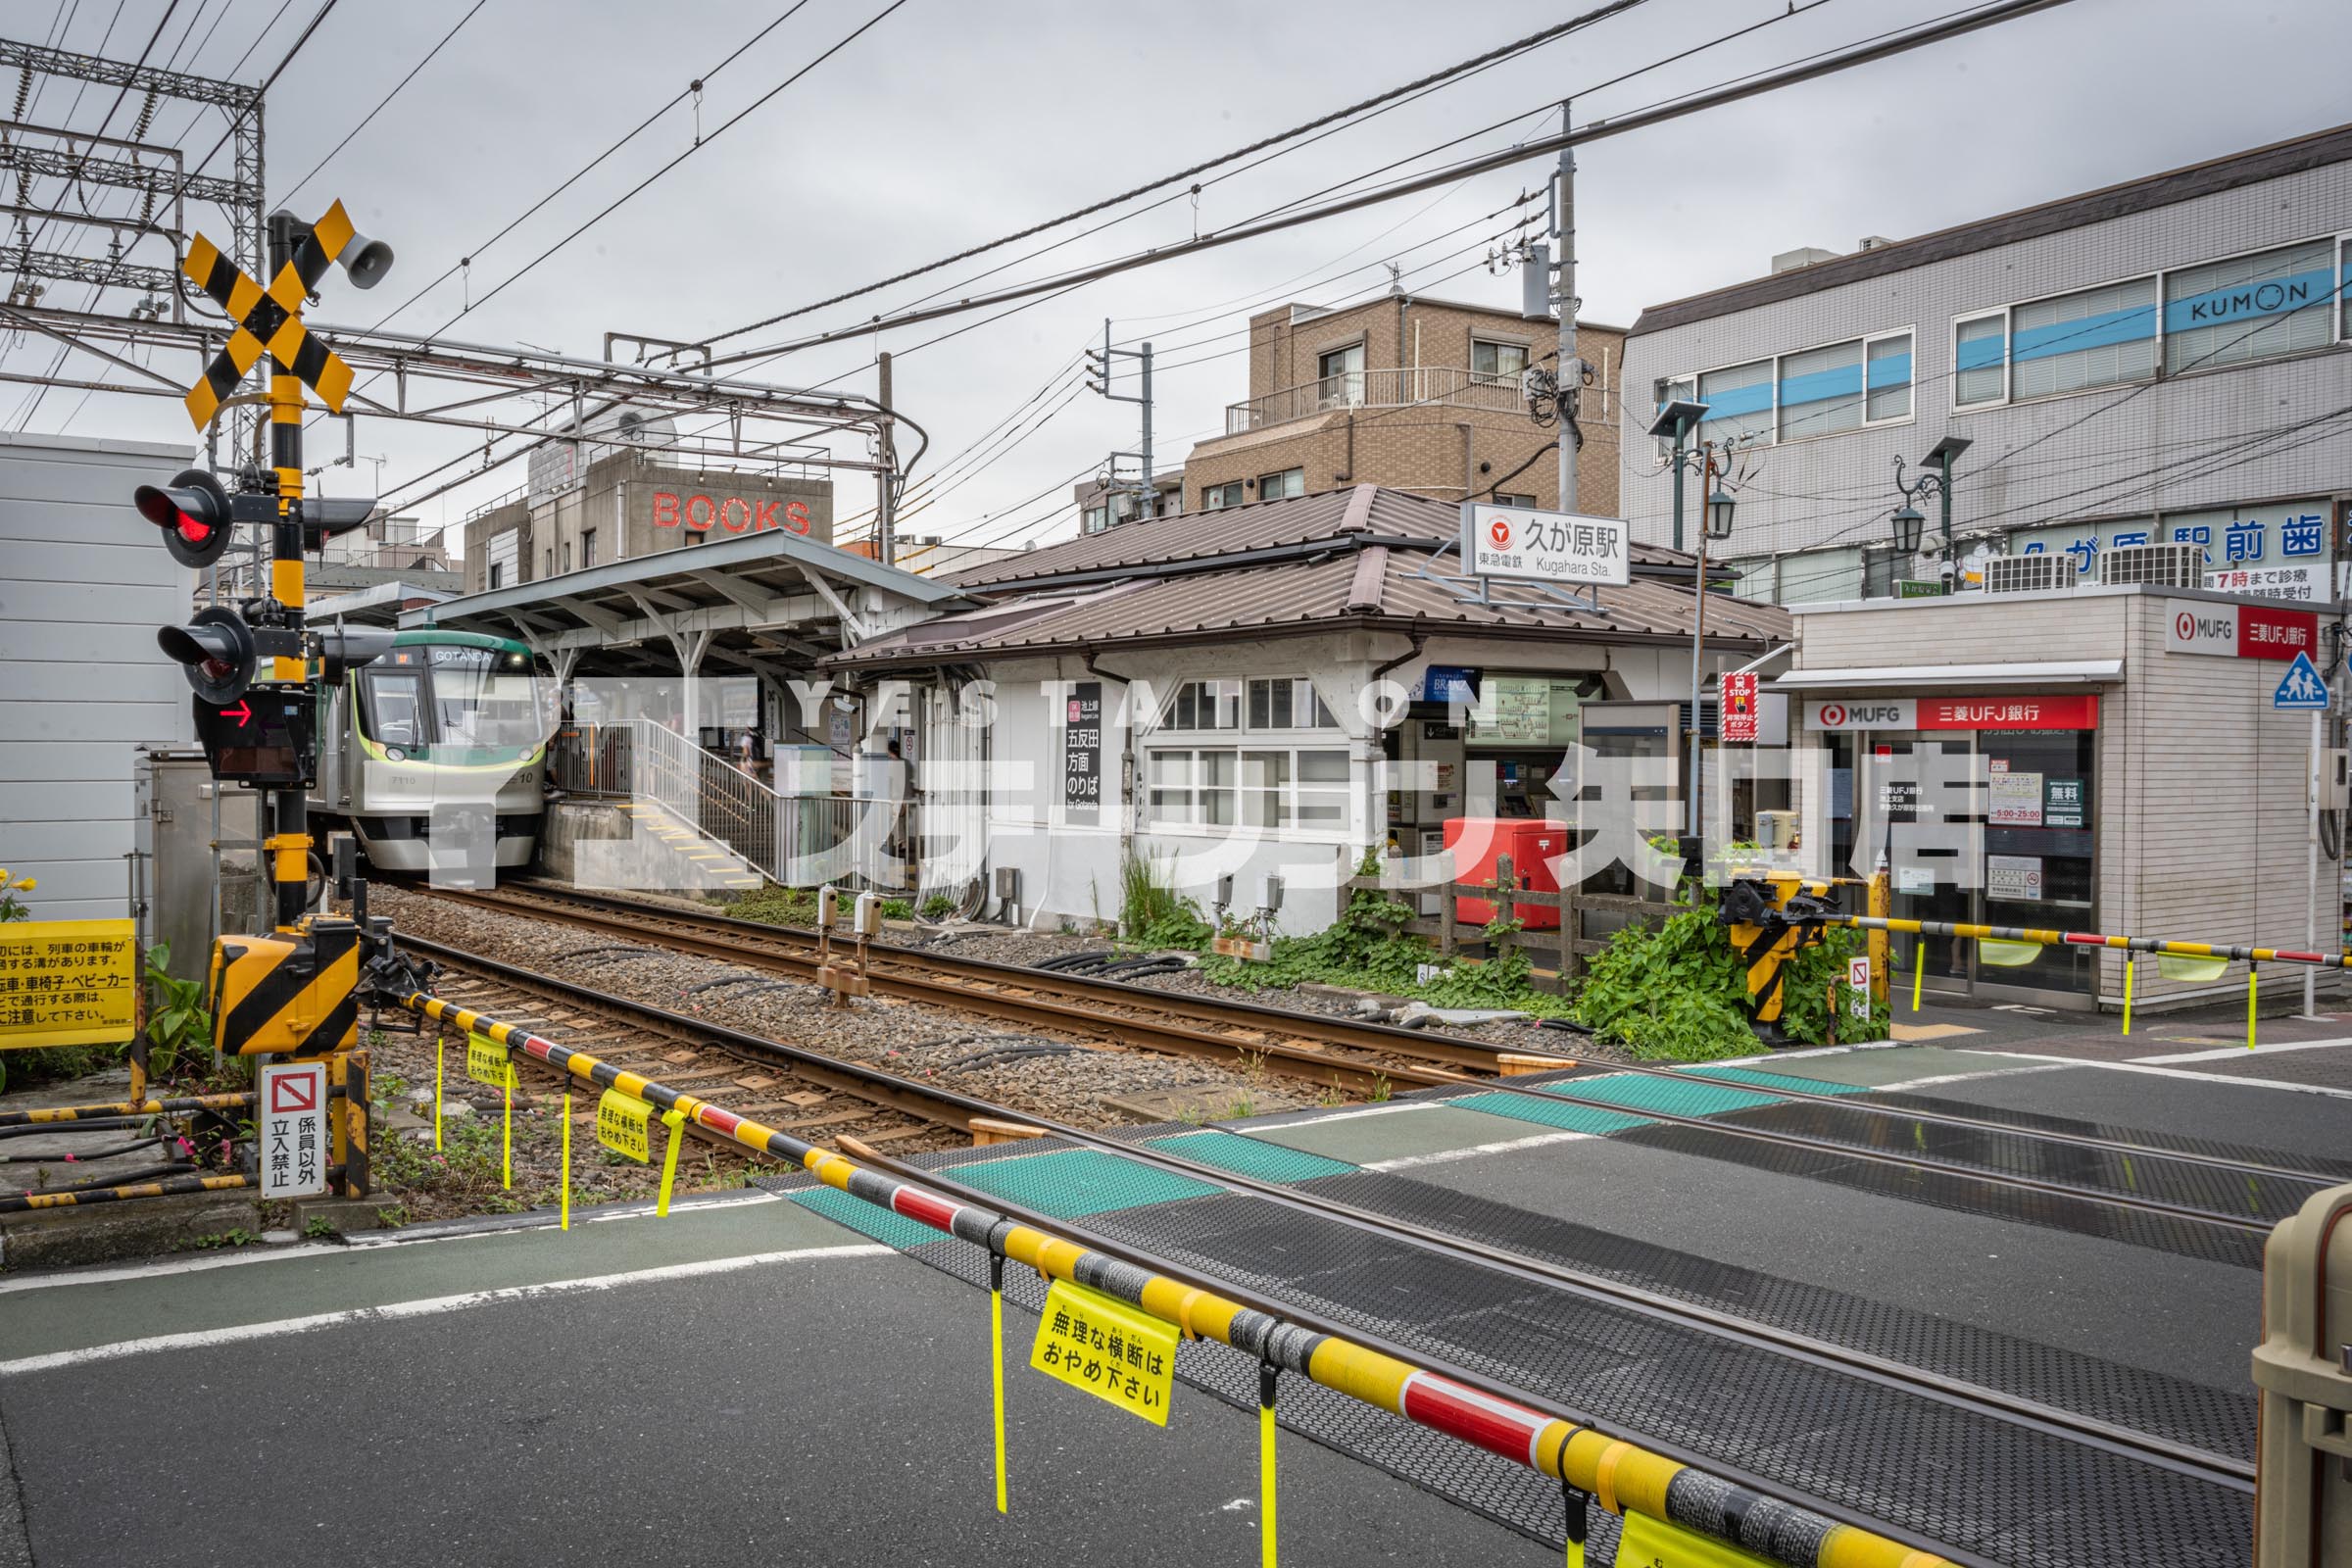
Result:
[{"x": 947, "y": 123}]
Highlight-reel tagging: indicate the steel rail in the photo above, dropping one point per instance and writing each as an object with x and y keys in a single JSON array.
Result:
[
  {"x": 2016, "y": 1410},
  {"x": 1888, "y": 1156},
  {"x": 1420, "y": 1388},
  {"x": 1358, "y": 1034},
  {"x": 901, "y": 975}
]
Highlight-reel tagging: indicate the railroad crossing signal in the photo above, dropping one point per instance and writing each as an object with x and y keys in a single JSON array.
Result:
[
  {"x": 194, "y": 511},
  {"x": 270, "y": 320}
]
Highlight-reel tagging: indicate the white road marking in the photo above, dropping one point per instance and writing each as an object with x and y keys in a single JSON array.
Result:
[
  {"x": 430, "y": 1306},
  {"x": 2264, "y": 1049},
  {"x": 1444, "y": 1154},
  {"x": 1960, "y": 1078},
  {"x": 2177, "y": 1072},
  {"x": 1351, "y": 1116}
]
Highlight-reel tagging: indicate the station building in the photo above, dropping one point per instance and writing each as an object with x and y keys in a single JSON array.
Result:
[
  {"x": 2164, "y": 360},
  {"x": 1206, "y": 696}
]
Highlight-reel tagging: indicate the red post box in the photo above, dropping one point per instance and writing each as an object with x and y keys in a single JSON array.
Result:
[{"x": 1474, "y": 842}]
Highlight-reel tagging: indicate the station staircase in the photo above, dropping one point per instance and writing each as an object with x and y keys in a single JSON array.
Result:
[{"x": 697, "y": 862}]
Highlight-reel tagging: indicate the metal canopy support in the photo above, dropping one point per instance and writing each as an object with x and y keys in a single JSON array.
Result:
[{"x": 854, "y": 629}]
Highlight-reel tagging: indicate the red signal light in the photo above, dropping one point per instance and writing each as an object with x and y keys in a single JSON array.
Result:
[{"x": 194, "y": 514}]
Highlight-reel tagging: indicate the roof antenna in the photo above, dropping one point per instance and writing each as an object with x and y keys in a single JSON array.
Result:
[{"x": 1395, "y": 277}]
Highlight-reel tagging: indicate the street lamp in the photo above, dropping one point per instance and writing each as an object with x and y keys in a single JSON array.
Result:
[
  {"x": 1718, "y": 527},
  {"x": 1675, "y": 423},
  {"x": 1719, "y": 516},
  {"x": 1908, "y": 519},
  {"x": 1935, "y": 478}
]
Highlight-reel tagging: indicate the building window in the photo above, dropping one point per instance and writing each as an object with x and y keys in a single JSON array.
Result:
[
  {"x": 2099, "y": 337},
  {"x": 498, "y": 572},
  {"x": 1503, "y": 499},
  {"x": 1886, "y": 361},
  {"x": 1188, "y": 788},
  {"x": 2250, "y": 307},
  {"x": 1198, "y": 705},
  {"x": 1981, "y": 360},
  {"x": 1288, "y": 702},
  {"x": 1340, "y": 377},
  {"x": 567, "y": 554},
  {"x": 1281, "y": 487},
  {"x": 1821, "y": 391},
  {"x": 587, "y": 548},
  {"x": 1259, "y": 788},
  {"x": 1097, "y": 519},
  {"x": 1214, "y": 497},
  {"x": 1497, "y": 363},
  {"x": 1738, "y": 399}
]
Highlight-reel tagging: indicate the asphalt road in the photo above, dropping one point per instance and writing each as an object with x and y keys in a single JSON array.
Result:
[{"x": 633, "y": 1392}]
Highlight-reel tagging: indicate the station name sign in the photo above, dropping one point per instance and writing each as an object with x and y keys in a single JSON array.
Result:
[
  {"x": 2239, "y": 631},
  {"x": 1563, "y": 547},
  {"x": 2079, "y": 711}
]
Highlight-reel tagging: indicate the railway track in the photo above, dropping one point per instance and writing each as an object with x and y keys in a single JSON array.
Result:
[
  {"x": 1351, "y": 1055},
  {"x": 649, "y": 1039}
]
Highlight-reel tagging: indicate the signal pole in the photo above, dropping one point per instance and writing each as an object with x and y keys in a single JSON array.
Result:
[
  {"x": 1098, "y": 365},
  {"x": 289, "y": 826},
  {"x": 886, "y": 509}
]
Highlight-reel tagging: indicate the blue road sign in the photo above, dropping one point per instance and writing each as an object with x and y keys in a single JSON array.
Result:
[{"x": 2300, "y": 687}]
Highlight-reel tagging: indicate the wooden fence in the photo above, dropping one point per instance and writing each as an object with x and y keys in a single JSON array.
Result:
[{"x": 1587, "y": 919}]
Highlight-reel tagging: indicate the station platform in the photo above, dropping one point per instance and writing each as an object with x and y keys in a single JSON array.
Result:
[{"x": 741, "y": 1380}]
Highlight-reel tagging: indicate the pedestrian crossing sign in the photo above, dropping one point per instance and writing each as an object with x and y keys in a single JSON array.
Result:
[{"x": 2301, "y": 688}]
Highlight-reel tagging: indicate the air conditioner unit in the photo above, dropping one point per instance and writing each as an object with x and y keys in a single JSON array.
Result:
[
  {"x": 2029, "y": 574},
  {"x": 2167, "y": 566}
]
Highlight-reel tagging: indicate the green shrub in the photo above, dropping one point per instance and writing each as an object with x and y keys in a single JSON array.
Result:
[
  {"x": 1152, "y": 912},
  {"x": 1680, "y": 993},
  {"x": 938, "y": 906},
  {"x": 898, "y": 910}
]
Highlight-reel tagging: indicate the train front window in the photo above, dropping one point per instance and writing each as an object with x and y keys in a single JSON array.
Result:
[
  {"x": 396, "y": 707},
  {"x": 485, "y": 696}
]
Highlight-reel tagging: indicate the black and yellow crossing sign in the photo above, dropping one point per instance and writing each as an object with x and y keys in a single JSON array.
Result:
[
  {"x": 270, "y": 320},
  {"x": 288, "y": 995}
]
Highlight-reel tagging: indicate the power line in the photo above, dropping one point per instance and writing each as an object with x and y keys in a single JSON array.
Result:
[
  {"x": 1517, "y": 46},
  {"x": 381, "y": 105}
]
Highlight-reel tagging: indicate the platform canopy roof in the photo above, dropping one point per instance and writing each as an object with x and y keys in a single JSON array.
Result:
[
  {"x": 767, "y": 603},
  {"x": 1360, "y": 557}
]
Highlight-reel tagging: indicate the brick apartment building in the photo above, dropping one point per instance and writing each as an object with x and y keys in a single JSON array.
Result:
[{"x": 1411, "y": 394}]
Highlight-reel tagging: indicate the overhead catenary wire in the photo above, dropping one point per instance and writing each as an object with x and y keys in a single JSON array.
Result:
[{"x": 381, "y": 104}]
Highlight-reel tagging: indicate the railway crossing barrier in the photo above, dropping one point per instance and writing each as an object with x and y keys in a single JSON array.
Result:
[{"x": 1683, "y": 1513}]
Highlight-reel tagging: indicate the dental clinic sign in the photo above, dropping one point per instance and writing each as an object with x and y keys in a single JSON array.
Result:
[{"x": 2239, "y": 631}]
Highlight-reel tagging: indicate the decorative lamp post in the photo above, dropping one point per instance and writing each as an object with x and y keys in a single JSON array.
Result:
[{"x": 1935, "y": 479}]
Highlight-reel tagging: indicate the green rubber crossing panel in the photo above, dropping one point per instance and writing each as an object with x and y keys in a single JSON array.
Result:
[
  {"x": 1072, "y": 1183},
  {"x": 891, "y": 1229},
  {"x": 1780, "y": 1080},
  {"x": 1675, "y": 1096},
  {"x": 1248, "y": 1156},
  {"x": 1548, "y": 1112}
]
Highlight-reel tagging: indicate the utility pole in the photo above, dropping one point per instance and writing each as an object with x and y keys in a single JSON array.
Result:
[
  {"x": 886, "y": 511},
  {"x": 1570, "y": 371},
  {"x": 1098, "y": 371}
]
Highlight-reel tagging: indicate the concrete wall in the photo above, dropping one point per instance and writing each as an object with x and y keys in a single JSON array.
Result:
[
  {"x": 635, "y": 506},
  {"x": 85, "y": 583},
  {"x": 2130, "y": 451}
]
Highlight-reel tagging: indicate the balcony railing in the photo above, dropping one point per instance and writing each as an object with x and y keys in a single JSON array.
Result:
[{"x": 1438, "y": 385}]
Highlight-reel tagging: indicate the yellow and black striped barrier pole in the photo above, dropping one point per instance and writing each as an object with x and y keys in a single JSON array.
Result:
[
  {"x": 1621, "y": 1475},
  {"x": 193, "y": 1182}
]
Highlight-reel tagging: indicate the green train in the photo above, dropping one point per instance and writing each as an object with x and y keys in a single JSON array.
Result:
[{"x": 434, "y": 756}]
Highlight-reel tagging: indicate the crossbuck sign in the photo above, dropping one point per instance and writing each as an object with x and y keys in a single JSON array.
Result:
[{"x": 1563, "y": 547}]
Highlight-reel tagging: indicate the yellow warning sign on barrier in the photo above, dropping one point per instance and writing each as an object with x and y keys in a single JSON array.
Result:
[
  {"x": 68, "y": 983},
  {"x": 621, "y": 1125},
  {"x": 1113, "y": 1351},
  {"x": 1648, "y": 1543},
  {"x": 485, "y": 1062}
]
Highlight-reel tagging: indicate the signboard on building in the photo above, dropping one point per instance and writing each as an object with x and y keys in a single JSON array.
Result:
[
  {"x": 293, "y": 1130},
  {"x": 725, "y": 513},
  {"x": 2303, "y": 584},
  {"x": 1875, "y": 712},
  {"x": 2061, "y": 803},
  {"x": 2015, "y": 798},
  {"x": 1735, "y": 708},
  {"x": 2079, "y": 711},
  {"x": 1082, "y": 752},
  {"x": 68, "y": 983},
  {"x": 2016, "y": 877},
  {"x": 1545, "y": 546},
  {"x": 2239, "y": 631}
]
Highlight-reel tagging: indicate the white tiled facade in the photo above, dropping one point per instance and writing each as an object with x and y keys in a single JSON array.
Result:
[{"x": 2264, "y": 443}]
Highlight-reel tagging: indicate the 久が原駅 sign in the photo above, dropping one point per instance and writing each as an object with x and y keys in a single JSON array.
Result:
[
  {"x": 2239, "y": 631},
  {"x": 1545, "y": 546}
]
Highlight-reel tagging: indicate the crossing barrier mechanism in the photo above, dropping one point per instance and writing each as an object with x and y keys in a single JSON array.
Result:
[{"x": 1624, "y": 1477}]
